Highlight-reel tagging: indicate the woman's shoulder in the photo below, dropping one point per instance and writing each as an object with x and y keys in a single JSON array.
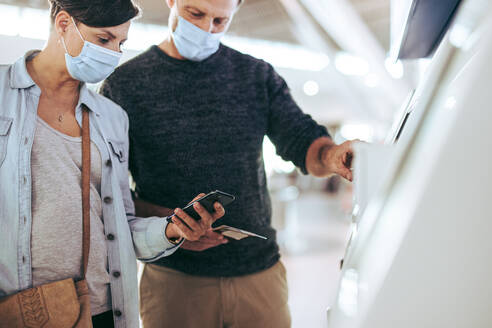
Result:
[
  {"x": 110, "y": 112},
  {"x": 5, "y": 75},
  {"x": 8, "y": 93},
  {"x": 106, "y": 104}
]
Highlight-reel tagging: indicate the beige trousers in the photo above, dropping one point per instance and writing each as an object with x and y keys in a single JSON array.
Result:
[{"x": 169, "y": 298}]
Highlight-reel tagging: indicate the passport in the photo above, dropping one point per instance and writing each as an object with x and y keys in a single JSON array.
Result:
[{"x": 235, "y": 233}]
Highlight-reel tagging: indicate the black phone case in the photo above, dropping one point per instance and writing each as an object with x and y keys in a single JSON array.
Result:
[{"x": 208, "y": 202}]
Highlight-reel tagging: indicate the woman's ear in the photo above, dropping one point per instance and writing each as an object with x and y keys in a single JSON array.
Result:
[
  {"x": 62, "y": 22},
  {"x": 170, "y": 3}
]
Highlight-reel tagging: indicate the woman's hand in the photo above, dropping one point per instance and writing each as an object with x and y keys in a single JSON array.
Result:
[{"x": 184, "y": 226}]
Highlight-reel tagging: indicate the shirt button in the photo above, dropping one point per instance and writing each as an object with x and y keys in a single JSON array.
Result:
[
  {"x": 25, "y": 220},
  {"x": 108, "y": 200},
  {"x": 116, "y": 274},
  {"x": 26, "y": 141},
  {"x": 117, "y": 313},
  {"x": 110, "y": 236},
  {"x": 109, "y": 163},
  {"x": 23, "y": 259},
  {"x": 24, "y": 180}
]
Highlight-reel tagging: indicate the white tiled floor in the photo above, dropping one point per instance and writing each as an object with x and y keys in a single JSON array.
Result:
[{"x": 311, "y": 252}]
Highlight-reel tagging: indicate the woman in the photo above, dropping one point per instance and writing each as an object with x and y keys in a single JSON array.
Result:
[{"x": 42, "y": 100}]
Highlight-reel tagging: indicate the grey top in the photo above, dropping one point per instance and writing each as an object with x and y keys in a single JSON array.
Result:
[
  {"x": 199, "y": 126},
  {"x": 56, "y": 242}
]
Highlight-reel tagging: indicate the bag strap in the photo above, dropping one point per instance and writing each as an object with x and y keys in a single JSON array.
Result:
[{"x": 86, "y": 195}]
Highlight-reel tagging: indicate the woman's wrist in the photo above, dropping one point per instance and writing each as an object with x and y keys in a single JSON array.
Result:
[{"x": 172, "y": 233}]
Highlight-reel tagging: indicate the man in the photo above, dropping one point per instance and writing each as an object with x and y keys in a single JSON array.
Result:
[{"x": 199, "y": 112}]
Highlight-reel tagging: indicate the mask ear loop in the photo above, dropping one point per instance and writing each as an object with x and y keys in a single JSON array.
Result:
[
  {"x": 78, "y": 32},
  {"x": 64, "y": 45}
]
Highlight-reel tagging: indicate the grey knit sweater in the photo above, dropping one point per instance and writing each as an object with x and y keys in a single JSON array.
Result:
[{"x": 198, "y": 127}]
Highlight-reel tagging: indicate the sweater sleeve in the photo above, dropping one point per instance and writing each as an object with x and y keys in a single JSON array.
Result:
[{"x": 290, "y": 130}]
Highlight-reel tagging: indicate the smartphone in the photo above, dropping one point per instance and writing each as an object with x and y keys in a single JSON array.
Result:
[{"x": 208, "y": 202}]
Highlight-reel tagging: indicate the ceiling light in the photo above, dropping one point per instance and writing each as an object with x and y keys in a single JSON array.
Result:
[
  {"x": 394, "y": 68},
  {"x": 280, "y": 54},
  {"x": 9, "y": 20},
  {"x": 311, "y": 88},
  {"x": 351, "y": 65},
  {"x": 371, "y": 80},
  {"x": 353, "y": 131}
]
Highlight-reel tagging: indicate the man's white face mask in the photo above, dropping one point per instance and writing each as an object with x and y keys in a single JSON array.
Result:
[{"x": 193, "y": 43}]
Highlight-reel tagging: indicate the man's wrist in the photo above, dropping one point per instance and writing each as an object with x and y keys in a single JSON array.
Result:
[{"x": 324, "y": 154}]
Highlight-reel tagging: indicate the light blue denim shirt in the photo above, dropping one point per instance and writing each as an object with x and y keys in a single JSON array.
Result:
[{"x": 128, "y": 237}]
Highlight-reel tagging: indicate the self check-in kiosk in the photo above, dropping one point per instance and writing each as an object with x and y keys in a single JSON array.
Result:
[{"x": 420, "y": 253}]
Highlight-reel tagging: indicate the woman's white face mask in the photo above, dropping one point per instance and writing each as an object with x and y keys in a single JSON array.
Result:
[{"x": 93, "y": 64}]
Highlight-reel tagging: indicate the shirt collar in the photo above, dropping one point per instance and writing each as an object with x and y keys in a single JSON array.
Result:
[
  {"x": 20, "y": 79},
  {"x": 87, "y": 98}
]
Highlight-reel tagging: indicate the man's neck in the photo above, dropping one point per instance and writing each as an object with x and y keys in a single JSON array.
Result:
[{"x": 170, "y": 49}]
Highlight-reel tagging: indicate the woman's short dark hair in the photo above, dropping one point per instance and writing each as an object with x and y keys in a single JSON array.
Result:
[{"x": 96, "y": 13}]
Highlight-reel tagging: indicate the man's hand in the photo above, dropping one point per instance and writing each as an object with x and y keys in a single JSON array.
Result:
[
  {"x": 324, "y": 158},
  {"x": 209, "y": 240},
  {"x": 338, "y": 159}
]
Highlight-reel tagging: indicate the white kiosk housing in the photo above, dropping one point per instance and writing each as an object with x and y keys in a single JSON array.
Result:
[{"x": 421, "y": 252}]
